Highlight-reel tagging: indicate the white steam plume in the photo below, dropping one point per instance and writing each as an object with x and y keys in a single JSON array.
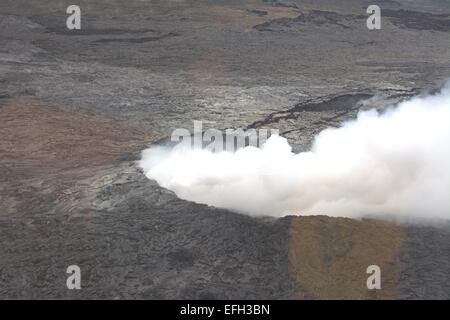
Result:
[{"x": 395, "y": 164}]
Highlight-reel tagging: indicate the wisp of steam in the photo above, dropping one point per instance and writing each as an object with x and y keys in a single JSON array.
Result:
[{"x": 391, "y": 164}]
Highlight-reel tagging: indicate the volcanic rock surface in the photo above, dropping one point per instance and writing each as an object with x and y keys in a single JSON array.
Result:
[{"x": 77, "y": 107}]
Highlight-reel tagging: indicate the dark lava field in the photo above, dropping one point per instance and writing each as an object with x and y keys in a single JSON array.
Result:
[{"x": 78, "y": 106}]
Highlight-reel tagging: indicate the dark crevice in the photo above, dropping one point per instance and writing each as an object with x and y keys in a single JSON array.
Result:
[
  {"x": 314, "y": 17},
  {"x": 138, "y": 40},
  {"x": 345, "y": 102},
  {"x": 94, "y": 31},
  {"x": 418, "y": 20}
]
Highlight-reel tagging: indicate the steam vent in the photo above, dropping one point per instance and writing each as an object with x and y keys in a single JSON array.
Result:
[{"x": 203, "y": 150}]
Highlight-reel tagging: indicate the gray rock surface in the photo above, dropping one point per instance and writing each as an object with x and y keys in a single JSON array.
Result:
[{"x": 76, "y": 108}]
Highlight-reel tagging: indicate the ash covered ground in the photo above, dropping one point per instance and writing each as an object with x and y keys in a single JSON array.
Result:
[{"x": 77, "y": 107}]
